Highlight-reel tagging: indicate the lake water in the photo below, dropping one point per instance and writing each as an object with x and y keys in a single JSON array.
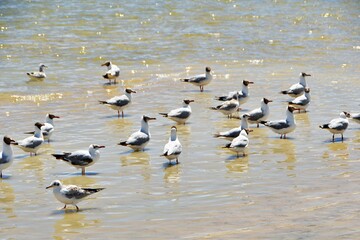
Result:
[{"x": 301, "y": 187}]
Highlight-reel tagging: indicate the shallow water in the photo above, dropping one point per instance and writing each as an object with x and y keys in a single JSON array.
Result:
[{"x": 301, "y": 187}]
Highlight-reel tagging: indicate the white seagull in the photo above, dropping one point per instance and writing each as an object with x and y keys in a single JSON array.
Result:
[
  {"x": 233, "y": 133},
  {"x": 48, "y": 127},
  {"x": 38, "y": 75},
  {"x": 260, "y": 114},
  {"x": 180, "y": 115},
  {"x": 81, "y": 158},
  {"x": 173, "y": 148},
  {"x": 200, "y": 80},
  {"x": 301, "y": 102},
  {"x": 298, "y": 88},
  {"x": 33, "y": 143},
  {"x": 119, "y": 103},
  {"x": 285, "y": 126},
  {"x": 138, "y": 140},
  {"x": 355, "y": 117},
  {"x": 337, "y": 125},
  {"x": 71, "y": 194},
  {"x": 240, "y": 143},
  {"x": 112, "y": 73},
  {"x": 228, "y": 107},
  {"x": 6, "y": 156},
  {"x": 243, "y": 94}
]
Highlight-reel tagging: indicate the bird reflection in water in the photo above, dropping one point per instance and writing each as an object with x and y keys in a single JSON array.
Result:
[
  {"x": 238, "y": 165},
  {"x": 72, "y": 224},
  {"x": 285, "y": 147},
  {"x": 172, "y": 172},
  {"x": 140, "y": 159},
  {"x": 338, "y": 150},
  {"x": 7, "y": 199}
]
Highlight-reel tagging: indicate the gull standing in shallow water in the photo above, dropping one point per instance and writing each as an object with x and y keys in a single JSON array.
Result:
[
  {"x": 233, "y": 133},
  {"x": 243, "y": 95},
  {"x": 200, "y": 80},
  {"x": 33, "y": 143},
  {"x": 301, "y": 102},
  {"x": 180, "y": 115},
  {"x": 138, "y": 140},
  {"x": 298, "y": 88},
  {"x": 71, "y": 194},
  {"x": 119, "y": 103},
  {"x": 112, "y": 73},
  {"x": 40, "y": 75},
  {"x": 260, "y": 114},
  {"x": 48, "y": 127},
  {"x": 6, "y": 156},
  {"x": 81, "y": 158},
  {"x": 337, "y": 125},
  {"x": 228, "y": 107},
  {"x": 173, "y": 148},
  {"x": 240, "y": 143},
  {"x": 285, "y": 126}
]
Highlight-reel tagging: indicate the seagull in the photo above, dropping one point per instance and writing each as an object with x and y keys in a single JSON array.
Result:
[
  {"x": 112, "y": 73},
  {"x": 228, "y": 107},
  {"x": 119, "y": 103},
  {"x": 243, "y": 95},
  {"x": 337, "y": 125},
  {"x": 240, "y": 143},
  {"x": 48, "y": 127},
  {"x": 173, "y": 148},
  {"x": 200, "y": 80},
  {"x": 285, "y": 126},
  {"x": 233, "y": 133},
  {"x": 298, "y": 88},
  {"x": 40, "y": 75},
  {"x": 355, "y": 117},
  {"x": 138, "y": 140},
  {"x": 81, "y": 158},
  {"x": 301, "y": 102},
  {"x": 6, "y": 156},
  {"x": 71, "y": 194},
  {"x": 260, "y": 114},
  {"x": 180, "y": 115},
  {"x": 33, "y": 143}
]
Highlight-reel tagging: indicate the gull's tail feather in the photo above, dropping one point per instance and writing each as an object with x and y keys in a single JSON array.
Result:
[
  {"x": 164, "y": 114},
  {"x": 324, "y": 126}
]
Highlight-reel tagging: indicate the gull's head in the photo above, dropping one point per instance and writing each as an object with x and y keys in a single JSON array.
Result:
[
  {"x": 246, "y": 82},
  {"x": 345, "y": 114},
  {"x": 173, "y": 129},
  {"x": 304, "y": 74},
  {"x": 8, "y": 141},
  {"x": 208, "y": 69},
  {"x": 95, "y": 146},
  {"x": 146, "y": 118},
  {"x": 266, "y": 101},
  {"x": 108, "y": 63},
  {"x": 246, "y": 116},
  {"x": 188, "y": 101},
  {"x": 41, "y": 65},
  {"x": 128, "y": 90},
  {"x": 52, "y": 116},
  {"x": 54, "y": 184},
  {"x": 38, "y": 125},
  {"x": 307, "y": 90}
]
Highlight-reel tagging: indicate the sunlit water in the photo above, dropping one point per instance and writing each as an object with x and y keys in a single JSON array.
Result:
[{"x": 301, "y": 187}]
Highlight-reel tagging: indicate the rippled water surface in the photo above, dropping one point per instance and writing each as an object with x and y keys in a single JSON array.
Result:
[{"x": 301, "y": 187}]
